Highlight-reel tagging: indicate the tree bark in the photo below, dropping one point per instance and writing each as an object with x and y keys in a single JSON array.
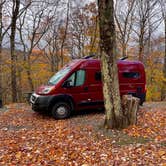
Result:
[
  {"x": 141, "y": 44},
  {"x": 130, "y": 106},
  {"x": 164, "y": 70},
  {"x": 115, "y": 117},
  {"x": 15, "y": 13},
  {"x": 64, "y": 36},
  {"x": 1, "y": 87},
  {"x": 29, "y": 75},
  {"x": 163, "y": 90},
  {"x": 124, "y": 50},
  {"x": 19, "y": 91},
  {"x": 111, "y": 93},
  {"x": 1, "y": 26},
  {"x": 163, "y": 11}
]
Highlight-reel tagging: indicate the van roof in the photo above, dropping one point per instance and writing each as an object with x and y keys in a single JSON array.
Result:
[{"x": 95, "y": 63}]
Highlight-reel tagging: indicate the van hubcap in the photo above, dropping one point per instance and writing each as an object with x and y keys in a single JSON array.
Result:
[{"x": 61, "y": 110}]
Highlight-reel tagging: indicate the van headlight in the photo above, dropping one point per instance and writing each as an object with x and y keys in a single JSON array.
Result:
[{"x": 47, "y": 90}]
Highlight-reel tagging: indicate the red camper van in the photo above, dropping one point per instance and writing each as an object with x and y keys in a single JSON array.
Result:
[{"x": 78, "y": 85}]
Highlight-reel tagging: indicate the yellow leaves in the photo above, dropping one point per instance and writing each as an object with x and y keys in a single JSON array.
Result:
[
  {"x": 85, "y": 165},
  {"x": 155, "y": 78},
  {"x": 162, "y": 153},
  {"x": 18, "y": 155}
]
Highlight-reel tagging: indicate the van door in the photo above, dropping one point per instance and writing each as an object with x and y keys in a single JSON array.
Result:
[
  {"x": 95, "y": 88},
  {"x": 78, "y": 88}
]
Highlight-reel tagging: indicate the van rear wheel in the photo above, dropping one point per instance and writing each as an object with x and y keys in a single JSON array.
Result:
[{"x": 61, "y": 110}]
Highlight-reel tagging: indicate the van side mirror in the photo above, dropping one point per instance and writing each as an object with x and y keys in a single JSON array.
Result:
[{"x": 67, "y": 84}]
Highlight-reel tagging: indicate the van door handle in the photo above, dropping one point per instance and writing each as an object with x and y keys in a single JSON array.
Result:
[{"x": 86, "y": 88}]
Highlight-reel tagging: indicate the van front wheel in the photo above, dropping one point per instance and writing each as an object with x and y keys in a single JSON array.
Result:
[{"x": 61, "y": 110}]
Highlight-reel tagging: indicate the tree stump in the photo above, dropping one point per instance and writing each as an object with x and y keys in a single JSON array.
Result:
[{"x": 130, "y": 106}]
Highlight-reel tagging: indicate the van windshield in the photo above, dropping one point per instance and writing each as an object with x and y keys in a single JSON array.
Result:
[{"x": 58, "y": 76}]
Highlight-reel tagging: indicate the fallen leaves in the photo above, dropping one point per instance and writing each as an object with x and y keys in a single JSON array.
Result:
[
  {"x": 28, "y": 138},
  {"x": 151, "y": 124}
]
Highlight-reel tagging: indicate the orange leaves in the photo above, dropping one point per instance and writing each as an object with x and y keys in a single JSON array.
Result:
[
  {"x": 28, "y": 138},
  {"x": 151, "y": 124},
  {"x": 162, "y": 153}
]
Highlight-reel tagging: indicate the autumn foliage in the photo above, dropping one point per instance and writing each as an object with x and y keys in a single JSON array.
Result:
[
  {"x": 41, "y": 46},
  {"x": 28, "y": 138}
]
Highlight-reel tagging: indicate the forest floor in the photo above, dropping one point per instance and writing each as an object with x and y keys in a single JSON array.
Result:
[{"x": 29, "y": 138}]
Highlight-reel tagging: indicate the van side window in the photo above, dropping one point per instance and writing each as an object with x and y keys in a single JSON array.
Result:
[
  {"x": 77, "y": 78},
  {"x": 72, "y": 79},
  {"x": 131, "y": 74},
  {"x": 98, "y": 76},
  {"x": 80, "y": 77}
]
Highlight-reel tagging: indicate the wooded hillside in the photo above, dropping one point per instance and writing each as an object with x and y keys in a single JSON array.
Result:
[{"x": 38, "y": 38}]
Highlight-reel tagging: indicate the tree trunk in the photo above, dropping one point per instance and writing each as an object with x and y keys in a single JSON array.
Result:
[
  {"x": 141, "y": 46},
  {"x": 111, "y": 93},
  {"x": 164, "y": 70},
  {"x": 19, "y": 91},
  {"x": 30, "y": 80},
  {"x": 29, "y": 75},
  {"x": 163, "y": 90},
  {"x": 54, "y": 62},
  {"x": 124, "y": 49},
  {"x": 115, "y": 117},
  {"x": 65, "y": 34},
  {"x": 1, "y": 87},
  {"x": 15, "y": 12}
]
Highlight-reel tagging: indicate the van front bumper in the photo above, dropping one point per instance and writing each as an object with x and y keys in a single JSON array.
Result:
[{"x": 40, "y": 103}]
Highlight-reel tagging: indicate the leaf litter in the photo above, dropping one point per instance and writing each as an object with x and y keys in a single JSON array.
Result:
[{"x": 29, "y": 138}]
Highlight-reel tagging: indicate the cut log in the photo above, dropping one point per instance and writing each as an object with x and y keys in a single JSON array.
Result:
[{"x": 130, "y": 106}]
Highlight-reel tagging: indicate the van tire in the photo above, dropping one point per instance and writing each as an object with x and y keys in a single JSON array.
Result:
[
  {"x": 61, "y": 110},
  {"x": 36, "y": 110}
]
